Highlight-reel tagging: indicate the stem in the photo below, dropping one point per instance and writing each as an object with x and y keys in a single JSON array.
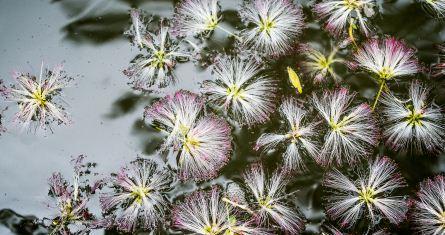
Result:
[
  {"x": 382, "y": 84},
  {"x": 238, "y": 205},
  {"x": 228, "y": 32}
]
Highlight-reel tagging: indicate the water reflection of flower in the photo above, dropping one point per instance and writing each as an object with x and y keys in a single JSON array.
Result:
[
  {"x": 275, "y": 25},
  {"x": 371, "y": 192},
  {"x": 415, "y": 123},
  {"x": 39, "y": 98},
  {"x": 139, "y": 198},
  {"x": 298, "y": 138}
]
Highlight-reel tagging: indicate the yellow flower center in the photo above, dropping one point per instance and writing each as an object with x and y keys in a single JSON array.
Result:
[
  {"x": 415, "y": 118},
  {"x": 352, "y": 4},
  {"x": 159, "y": 59},
  {"x": 191, "y": 143},
  {"x": 39, "y": 97},
  {"x": 367, "y": 195},
  {"x": 265, "y": 202},
  {"x": 442, "y": 219},
  {"x": 235, "y": 91},
  {"x": 294, "y": 134},
  {"x": 139, "y": 193},
  {"x": 211, "y": 230},
  {"x": 212, "y": 22},
  {"x": 266, "y": 25},
  {"x": 386, "y": 73}
]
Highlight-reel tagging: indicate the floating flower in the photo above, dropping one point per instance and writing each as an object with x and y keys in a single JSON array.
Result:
[
  {"x": 436, "y": 6},
  {"x": 39, "y": 99},
  {"x": 341, "y": 15},
  {"x": 429, "y": 208},
  {"x": 298, "y": 138},
  {"x": 204, "y": 212},
  {"x": 139, "y": 198},
  {"x": 196, "y": 17},
  {"x": 204, "y": 143},
  {"x": 351, "y": 130},
  {"x": 155, "y": 67},
  {"x": 73, "y": 216},
  {"x": 269, "y": 200},
  {"x": 370, "y": 194},
  {"x": 414, "y": 123},
  {"x": 241, "y": 90},
  {"x": 386, "y": 60},
  {"x": 319, "y": 66},
  {"x": 273, "y": 25}
]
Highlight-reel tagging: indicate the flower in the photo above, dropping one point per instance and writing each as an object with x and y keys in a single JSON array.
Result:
[
  {"x": 155, "y": 67},
  {"x": 299, "y": 136},
  {"x": 204, "y": 212},
  {"x": 320, "y": 66},
  {"x": 196, "y": 17},
  {"x": 275, "y": 25},
  {"x": 239, "y": 88},
  {"x": 340, "y": 13},
  {"x": 371, "y": 193},
  {"x": 429, "y": 209},
  {"x": 436, "y": 6},
  {"x": 351, "y": 130},
  {"x": 203, "y": 142},
  {"x": 39, "y": 99},
  {"x": 386, "y": 59},
  {"x": 414, "y": 123},
  {"x": 439, "y": 68},
  {"x": 269, "y": 199},
  {"x": 139, "y": 198}
]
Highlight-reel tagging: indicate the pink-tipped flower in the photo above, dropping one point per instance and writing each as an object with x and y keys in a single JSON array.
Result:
[
  {"x": 204, "y": 212},
  {"x": 239, "y": 88},
  {"x": 273, "y": 25},
  {"x": 341, "y": 15},
  {"x": 196, "y": 17},
  {"x": 39, "y": 98},
  {"x": 269, "y": 203},
  {"x": 139, "y": 199},
  {"x": 298, "y": 137},
  {"x": 415, "y": 123},
  {"x": 370, "y": 195},
  {"x": 352, "y": 131},
  {"x": 203, "y": 142},
  {"x": 155, "y": 68},
  {"x": 386, "y": 59},
  {"x": 429, "y": 209},
  {"x": 205, "y": 149}
]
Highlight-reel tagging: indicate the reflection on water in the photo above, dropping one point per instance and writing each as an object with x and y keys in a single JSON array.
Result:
[{"x": 87, "y": 35}]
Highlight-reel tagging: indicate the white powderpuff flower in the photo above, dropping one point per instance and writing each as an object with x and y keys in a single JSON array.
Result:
[
  {"x": 298, "y": 138},
  {"x": 386, "y": 59},
  {"x": 428, "y": 214},
  {"x": 320, "y": 66},
  {"x": 174, "y": 114},
  {"x": 155, "y": 68},
  {"x": 352, "y": 131},
  {"x": 246, "y": 95},
  {"x": 196, "y": 17},
  {"x": 139, "y": 198},
  {"x": 414, "y": 123},
  {"x": 206, "y": 148},
  {"x": 342, "y": 14},
  {"x": 436, "y": 6},
  {"x": 370, "y": 195},
  {"x": 269, "y": 199},
  {"x": 39, "y": 98},
  {"x": 273, "y": 25},
  {"x": 204, "y": 212}
]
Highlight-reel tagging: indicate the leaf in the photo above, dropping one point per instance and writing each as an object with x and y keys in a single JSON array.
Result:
[{"x": 294, "y": 79}]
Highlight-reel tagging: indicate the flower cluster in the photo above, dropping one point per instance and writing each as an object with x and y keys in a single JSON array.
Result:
[
  {"x": 370, "y": 194},
  {"x": 39, "y": 98},
  {"x": 139, "y": 196},
  {"x": 273, "y": 25},
  {"x": 414, "y": 123},
  {"x": 203, "y": 141},
  {"x": 351, "y": 131},
  {"x": 239, "y": 88},
  {"x": 298, "y": 137},
  {"x": 155, "y": 68}
]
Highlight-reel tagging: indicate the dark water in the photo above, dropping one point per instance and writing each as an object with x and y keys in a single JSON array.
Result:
[{"x": 87, "y": 36}]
